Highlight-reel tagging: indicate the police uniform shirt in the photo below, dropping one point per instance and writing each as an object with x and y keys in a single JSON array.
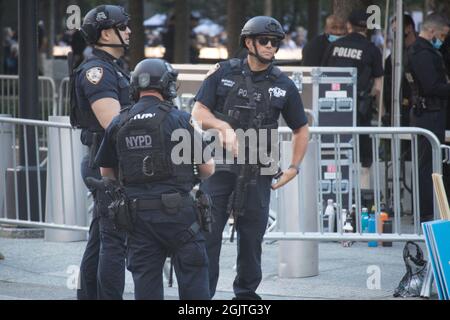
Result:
[
  {"x": 102, "y": 77},
  {"x": 427, "y": 66},
  {"x": 284, "y": 95},
  {"x": 175, "y": 119},
  {"x": 312, "y": 53},
  {"x": 355, "y": 50}
]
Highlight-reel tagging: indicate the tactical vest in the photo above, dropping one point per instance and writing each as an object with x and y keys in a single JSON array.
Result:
[
  {"x": 85, "y": 118},
  {"x": 144, "y": 150},
  {"x": 237, "y": 109},
  {"x": 247, "y": 105}
]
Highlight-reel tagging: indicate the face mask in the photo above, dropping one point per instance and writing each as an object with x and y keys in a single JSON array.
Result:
[
  {"x": 437, "y": 43},
  {"x": 333, "y": 38}
]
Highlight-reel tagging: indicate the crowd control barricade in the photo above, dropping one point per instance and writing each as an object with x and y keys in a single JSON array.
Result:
[
  {"x": 405, "y": 227},
  {"x": 40, "y": 176},
  {"x": 9, "y": 96}
]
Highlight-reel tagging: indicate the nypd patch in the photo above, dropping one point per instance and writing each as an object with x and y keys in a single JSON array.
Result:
[
  {"x": 94, "y": 75},
  {"x": 213, "y": 69}
]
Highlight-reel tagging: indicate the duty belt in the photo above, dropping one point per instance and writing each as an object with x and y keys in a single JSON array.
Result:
[{"x": 159, "y": 204}]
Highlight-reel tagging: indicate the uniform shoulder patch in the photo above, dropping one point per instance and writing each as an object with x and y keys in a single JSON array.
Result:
[
  {"x": 94, "y": 75},
  {"x": 213, "y": 69}
]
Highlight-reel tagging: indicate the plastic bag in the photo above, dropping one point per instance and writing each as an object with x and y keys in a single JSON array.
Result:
[{"x": 416, "y": 268}]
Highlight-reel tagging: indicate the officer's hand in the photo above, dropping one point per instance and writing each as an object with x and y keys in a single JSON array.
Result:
[
  {"x": 287, "y": 176},
  {"x": 229, "y": 140}
]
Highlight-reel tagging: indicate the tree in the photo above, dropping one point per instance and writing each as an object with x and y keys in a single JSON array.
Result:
[
  {"x": 182, "y": 30},
  {"x": 342, "y": 8},
  {"x": 137, "y": 41},
  {"x": 235, "y": 22}
]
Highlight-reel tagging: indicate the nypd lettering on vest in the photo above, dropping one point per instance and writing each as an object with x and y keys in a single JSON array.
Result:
[
  {"x": 347, "y": 53},
  {"x": 141, "y": 116},
  {"x": 138, "y": 142},
  {"x": 277, "y": 92}
]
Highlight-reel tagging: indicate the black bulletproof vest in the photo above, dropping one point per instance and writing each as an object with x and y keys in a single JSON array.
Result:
[
  {"x": 237, "y": 110},
  {"x": 144, "y": 150}
]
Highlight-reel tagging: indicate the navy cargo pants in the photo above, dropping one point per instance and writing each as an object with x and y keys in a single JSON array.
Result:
[
  {"x": 250, "y": 230},
  {"x": 102, "y": 269},
  {"x": 155, "y": 235}
]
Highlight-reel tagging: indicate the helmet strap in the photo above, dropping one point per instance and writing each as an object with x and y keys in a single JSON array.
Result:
[
  {"x": 257, "y": 55},
  {"x": 114, "y": 45}
]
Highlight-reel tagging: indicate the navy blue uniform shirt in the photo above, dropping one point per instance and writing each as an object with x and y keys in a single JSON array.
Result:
[
  {"x": 355, "y": 50},
  {"x": 287, "y": 101},
  {"x": 175, "y": 119},
  {"x": 101, "y": 77}
]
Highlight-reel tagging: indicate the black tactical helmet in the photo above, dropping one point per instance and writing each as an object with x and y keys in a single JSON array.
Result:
[
  {"x": 101, "y": 18},
  {"x": 261, "y": 25},
  {"x": 156, "y": 74}
]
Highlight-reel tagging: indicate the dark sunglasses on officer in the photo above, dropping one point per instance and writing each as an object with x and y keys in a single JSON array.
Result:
[
  {"x": 122, "y": 26},
  {"x": 275, "y": 42}
]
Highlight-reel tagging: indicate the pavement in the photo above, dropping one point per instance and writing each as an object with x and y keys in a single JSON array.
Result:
[{"x": 42, "y": 270}]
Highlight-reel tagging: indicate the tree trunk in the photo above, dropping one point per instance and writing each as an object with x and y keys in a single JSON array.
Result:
[
  {"x": 268, "y": 8},
  {"x": 235, "y": 22},
  {"x": 137, "y": 41},
  {"x": 342, "y": 8},
  {"x": 313, "y": 18},
  {"x": 182, "y": 30}
]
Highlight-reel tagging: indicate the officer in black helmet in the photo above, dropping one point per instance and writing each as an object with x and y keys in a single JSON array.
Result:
[
  {"x": 355, "y": 50},
  {"x": 99, "y": 89},
  {"x": 248, "y": 94},
  {"x": 157, "y": 185}
]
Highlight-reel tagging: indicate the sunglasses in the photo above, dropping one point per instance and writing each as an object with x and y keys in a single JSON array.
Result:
[
  {"x": 265, "y": 40},
  {"x": 122, "y": 27}
]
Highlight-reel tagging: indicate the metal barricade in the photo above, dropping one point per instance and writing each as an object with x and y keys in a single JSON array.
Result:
[
  {"x": 63, "y": 98},
  {"x": 402, "y": 230},
  {"x": 9, "y": 96},
  {"x": 40, "y": 177}
]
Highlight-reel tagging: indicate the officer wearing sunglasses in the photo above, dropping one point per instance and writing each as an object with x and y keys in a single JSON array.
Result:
[
  {"x": 99, "y": 89},
  {"x": 234, "y": 94}
]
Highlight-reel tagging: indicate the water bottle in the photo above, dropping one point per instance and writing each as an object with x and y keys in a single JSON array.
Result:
[
  {"x": 347, "y": 228},
  {"x": 353, "y": 217},
  {"x": 387, "y": 228},
  {"x": 329, "y": 216},
  {"x": 371, "y": 229},
  {"x": 364, "y": 220}
]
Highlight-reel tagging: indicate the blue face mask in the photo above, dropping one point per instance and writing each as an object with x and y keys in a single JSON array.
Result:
[
  {"x": 437, "y": 43},
  {"x": 333, "y": 38}
]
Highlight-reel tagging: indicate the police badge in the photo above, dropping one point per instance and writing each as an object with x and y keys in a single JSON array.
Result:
[{"x": 94, "y": 75}]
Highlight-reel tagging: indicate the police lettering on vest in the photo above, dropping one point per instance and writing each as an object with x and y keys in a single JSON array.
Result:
[{"x": 347, "y": 53}]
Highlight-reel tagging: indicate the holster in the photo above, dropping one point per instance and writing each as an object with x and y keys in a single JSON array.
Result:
[
  {"x": 122, "y": 214},
  {"x": 203, "y": 204}
]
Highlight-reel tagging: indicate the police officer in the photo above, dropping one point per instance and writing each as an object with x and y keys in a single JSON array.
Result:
[
  {"x": 100, "y": 87},
  {"x": 355, "y": 50},
  {"x": 138, "y": 142},
  {"x": 427, "y": 76},
  {"x": 312, "y": 53},
  {"x": 221, "y": 104}
]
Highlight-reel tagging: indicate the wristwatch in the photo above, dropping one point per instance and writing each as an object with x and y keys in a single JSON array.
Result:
[{"x": 295, "y": 167}]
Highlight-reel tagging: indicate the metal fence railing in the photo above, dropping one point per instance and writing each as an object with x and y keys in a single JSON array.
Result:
[
  {"x": 9, "y": 96},
  {"x": 41, "y": 184}
]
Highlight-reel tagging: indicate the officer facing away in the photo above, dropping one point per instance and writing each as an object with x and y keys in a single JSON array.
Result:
[
  {"x": 430, "y": 85},
  {"x": 238, "y": 94},
  {"x": 355, "y": 50},
  {"x": 314, "y": 50},
  {"x": 99, "y": 88},
  {"x": 138, "y": 143}
]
